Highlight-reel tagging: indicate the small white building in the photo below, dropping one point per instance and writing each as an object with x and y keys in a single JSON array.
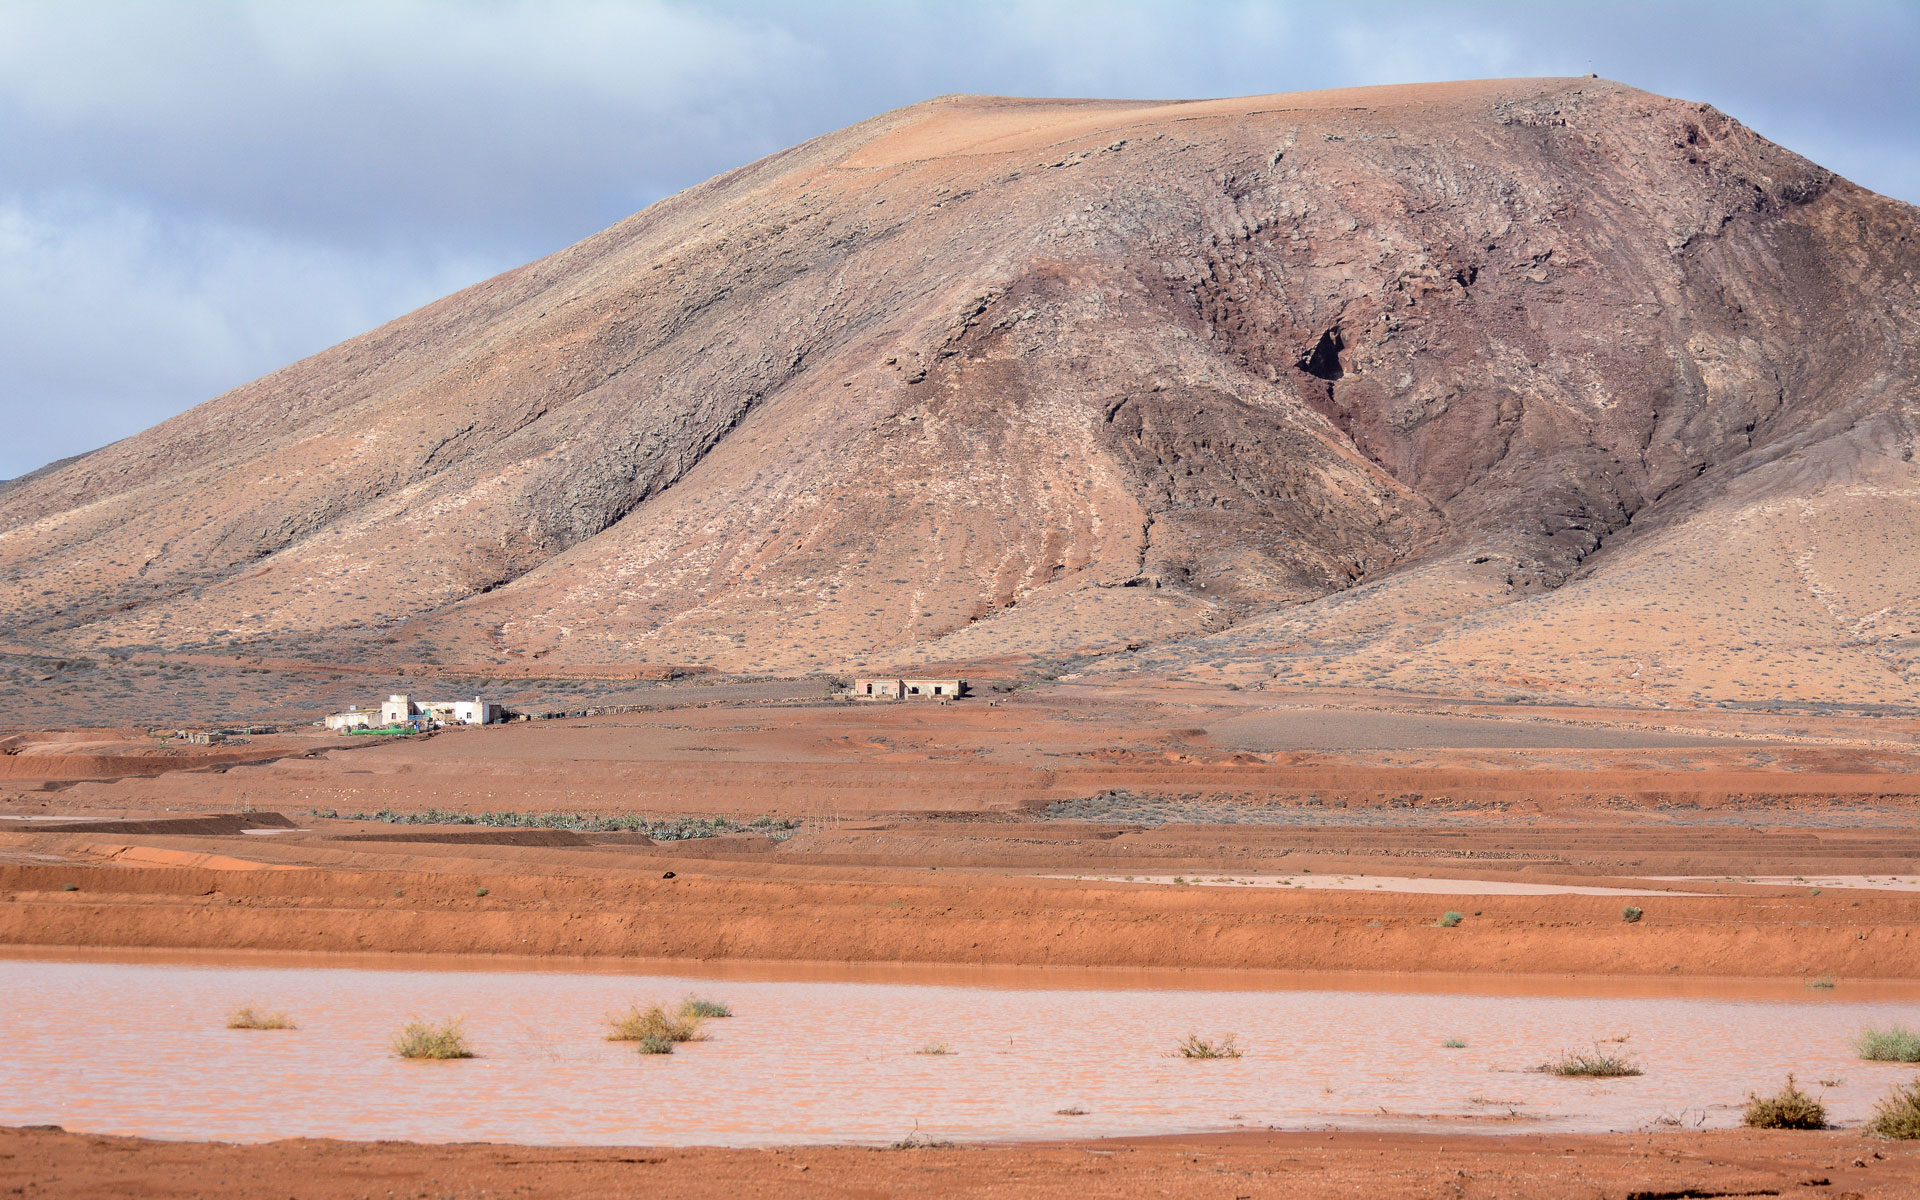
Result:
[
  {"x": 475, "y": 712},
  {"x": 353, "y": 718},
  {"x": 909, "y": 689},
  {"x": 399, "y": 709}
]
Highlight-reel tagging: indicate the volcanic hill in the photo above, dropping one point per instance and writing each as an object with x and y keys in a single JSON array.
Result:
[{"x": 1542, "y": 385}]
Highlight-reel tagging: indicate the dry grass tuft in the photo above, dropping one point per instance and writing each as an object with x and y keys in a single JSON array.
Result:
[
  {"x": 1598, "y": 1064},
  {"x": 1898, "y": 1115},
  {"x": 252, "y": 1018},
  {"x": 1788, "y": 1108},
  {"x": 638, "y": 1024},
  {"x": 1195, "y": 1046},
  {"x": 701, "y": 1008},
  {"x": 421, "y": 1040}
]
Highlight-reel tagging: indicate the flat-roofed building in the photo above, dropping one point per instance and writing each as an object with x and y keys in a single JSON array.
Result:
[{"x": 909, "y": 689}]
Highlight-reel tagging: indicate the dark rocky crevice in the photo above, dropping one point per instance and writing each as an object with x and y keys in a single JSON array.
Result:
[{"x": 1323, "y": 360}]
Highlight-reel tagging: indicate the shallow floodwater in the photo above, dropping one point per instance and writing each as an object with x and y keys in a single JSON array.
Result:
[
  {"x": 143, "y": 1049},
  {"x": 1415, "y": 885}
]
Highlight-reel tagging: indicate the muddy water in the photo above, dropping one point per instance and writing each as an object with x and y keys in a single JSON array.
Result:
[
  {"x": 142, "y": 1049},
  {"x": 1410, "y": 885}
]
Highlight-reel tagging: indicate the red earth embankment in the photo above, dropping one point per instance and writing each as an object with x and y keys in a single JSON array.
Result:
[
  {"x": 1299, "y": 1166},
  {"x": 737, "y": 910}
]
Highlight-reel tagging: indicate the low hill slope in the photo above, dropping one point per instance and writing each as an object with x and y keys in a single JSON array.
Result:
[{"x": 1456, "y": 383}]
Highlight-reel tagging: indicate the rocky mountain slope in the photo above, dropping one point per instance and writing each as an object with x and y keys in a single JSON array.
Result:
[{"x": 1547, "y": 385}]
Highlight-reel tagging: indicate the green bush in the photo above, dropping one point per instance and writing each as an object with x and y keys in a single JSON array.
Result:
[
  {"x": 704, "y": 1009},
  {"x": 1449, "y": 920},
  {"x": 1454, "y": 1044},
  {"x": 1892, "y": 1044},
  {"x": 653, "y": 1043},
  {"x": 1788, "y": 1108},
  {"x": 1898, "y": 1115},
  {"x": 1631, "y": 915}
]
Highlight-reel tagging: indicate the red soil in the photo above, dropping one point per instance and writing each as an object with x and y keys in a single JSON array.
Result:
[
  {"x": 923, "y": 839},
  {"x": 1298, "y": 1166},
  {"x": 919, "y": 843}
]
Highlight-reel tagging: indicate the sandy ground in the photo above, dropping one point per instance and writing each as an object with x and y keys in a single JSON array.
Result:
[
  {"x": 926, "y": 834},
  {"x": 935, "y": 835},
  {"x": 45, "y": 1163},
  {"x": 1093, "y": 748}
]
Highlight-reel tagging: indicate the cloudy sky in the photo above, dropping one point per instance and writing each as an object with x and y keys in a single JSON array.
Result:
[{"x": 193, "y": 193}]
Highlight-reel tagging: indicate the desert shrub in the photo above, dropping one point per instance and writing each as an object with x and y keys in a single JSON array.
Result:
[
  {"x": 421, "y": 1040},
  {"x": 1631, "y": 915},
  {"x": 1597, "y": 1064},
  {"x": 653, "y": 1043},
  {"x": 1892, "y": 1044},
  {"x": 69, "y": 887},
  {"x": 637, "y": 1024},
  {"x": 252, "y": 1018},
  {"x": 1448, "y": 920},
  {"x": 1195, "y": 1046},
  {"x": 934, "y": 1048},
  {"x": 703, "y": 1009},
  {"x": 1823, "y": 982},
  {"x": 1454, "y": 1044},
  {"x": 1898, "y": 1114},
  {"x": 1788, "y": 1108}
]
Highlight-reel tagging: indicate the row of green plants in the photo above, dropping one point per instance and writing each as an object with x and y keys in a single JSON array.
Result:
[{"x": 660, "y": 829}]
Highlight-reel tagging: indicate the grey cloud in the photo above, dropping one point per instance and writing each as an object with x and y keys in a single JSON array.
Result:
[{"x": 199, "y": 192}]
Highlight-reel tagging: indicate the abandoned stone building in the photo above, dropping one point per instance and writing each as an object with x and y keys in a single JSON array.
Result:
[{"x": 909, "y": 689}]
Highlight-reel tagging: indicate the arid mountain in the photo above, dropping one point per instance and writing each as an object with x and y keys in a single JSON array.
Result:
[{"x": 1540, "y": 385}]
